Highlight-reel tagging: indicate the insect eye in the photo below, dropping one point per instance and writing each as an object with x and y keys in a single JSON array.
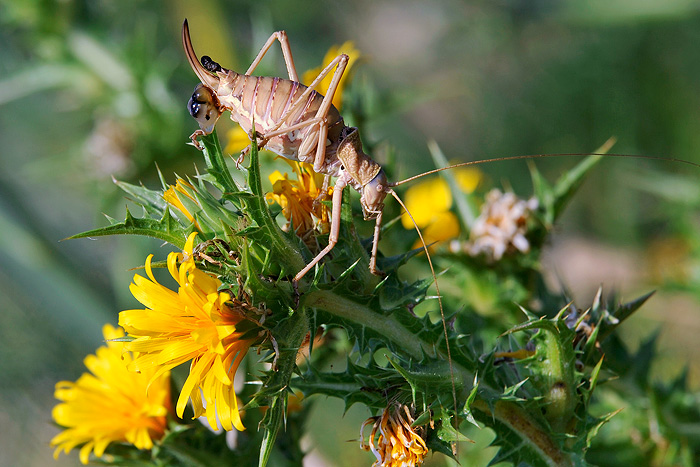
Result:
[
  {"x": 203, "y": 107},
  {"x": 202, "y": 100}
]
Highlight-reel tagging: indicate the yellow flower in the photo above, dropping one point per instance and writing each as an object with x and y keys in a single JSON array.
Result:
[
  {"x": 298, "y": 198},
  {"x": 429, "y": 203},
  {"x": 348, "y": 48},
  {"x": 239, "y": 140},
  {"x": 179, "y": 197},
  {"x": 112, "y": 404},
  {"x": 197, "y": 323},
  {"x": 398, "y": 444}
]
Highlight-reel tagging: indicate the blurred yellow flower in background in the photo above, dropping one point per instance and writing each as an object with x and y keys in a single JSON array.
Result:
[
  {"x": 197, "y": 323},
  {"x": 113, "y": 404},
  {"x": 237, "y": 140},
  {"x": 430, "y": 202},
  {"x": 347, "y": 48}
]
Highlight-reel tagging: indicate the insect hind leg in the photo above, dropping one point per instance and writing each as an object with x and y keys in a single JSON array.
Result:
[
  {"x": 317, "y": 138},
  {"x": 280, "y": 36}
]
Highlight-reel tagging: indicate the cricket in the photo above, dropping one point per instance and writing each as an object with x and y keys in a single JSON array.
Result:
[{"x": 293, "y": 121}]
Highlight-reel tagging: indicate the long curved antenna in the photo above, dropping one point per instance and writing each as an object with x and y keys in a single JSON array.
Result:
[
  {"x": 439, "y": 297},
  {"x": 533, "y": 156},
  {"x": 204, "y": 76}
]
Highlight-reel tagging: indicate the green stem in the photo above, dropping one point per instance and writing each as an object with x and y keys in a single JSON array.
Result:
[
  {"x": 516, "y": 419},
  {"x": 384, "y": 325},
  {"x": 387, "y": 326}
]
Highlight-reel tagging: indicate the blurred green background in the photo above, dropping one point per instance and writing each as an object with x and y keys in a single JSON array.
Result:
[{"x": 95, "y": 89}]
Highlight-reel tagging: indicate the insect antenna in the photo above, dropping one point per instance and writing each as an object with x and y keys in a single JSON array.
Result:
[
  {"x": 533, "y": 156},
  {"x": 439, "y": 298}
]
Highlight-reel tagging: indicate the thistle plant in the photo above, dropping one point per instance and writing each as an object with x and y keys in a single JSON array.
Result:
[{"x": 544, "y": 384}]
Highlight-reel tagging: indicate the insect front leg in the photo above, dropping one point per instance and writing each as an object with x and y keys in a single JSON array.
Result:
[
  {"x": 340, "y": 184},
  {"x": 323, "y": 194},
  {"x": 375, "y": 243},
  {"x": 194, "y": 141}
]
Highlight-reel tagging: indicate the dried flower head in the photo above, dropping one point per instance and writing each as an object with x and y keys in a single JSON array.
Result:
[
  {"x": 501, "y": 226},
  {"x": 398, "y": 444}
]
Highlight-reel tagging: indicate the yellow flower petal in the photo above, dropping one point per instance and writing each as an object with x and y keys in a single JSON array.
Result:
[
  {"x": 194, "y": 323},
  {"x": 297, "y": 198},
  {"x": 468, "y": 178},
  {"x": 444, "y": 226},
  {"x": 110, "y": 404},
  {"x": 179, "y": 197},
  {"x": 429, "y": 203}
]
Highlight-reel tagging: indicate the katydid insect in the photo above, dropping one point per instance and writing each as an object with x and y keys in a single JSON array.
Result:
[{"x": 293, "y": 121}]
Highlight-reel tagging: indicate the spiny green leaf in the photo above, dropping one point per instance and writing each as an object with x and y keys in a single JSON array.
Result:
[
  {"x": 166, "y": 229},
  {"x": 216, "y": 165},
  {"x": 593, "y": 430},
  {"x": 622, "y": 312},
  {"x": 428, "y": 377},
  {"x": 367, "y": 385},
  {"x": 445, "y": 432},
  {"x": 289, "y": 334},
  {"x": 554, "y": 198},
  {"x": 552, "y": 368},
  {"x": 284, "y": 247},
  {"x": 151, "y": 200},
  {"x": 466, "y": 410},
  {"x": 400, "y": 331},
  {"x": 593, "y": 381},
  {"x": 510, "y": 393},
  {"x": 272, "y": 423}
]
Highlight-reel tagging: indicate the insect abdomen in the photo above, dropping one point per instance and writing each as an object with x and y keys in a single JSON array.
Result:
[{"x": 265, "y": 100}]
